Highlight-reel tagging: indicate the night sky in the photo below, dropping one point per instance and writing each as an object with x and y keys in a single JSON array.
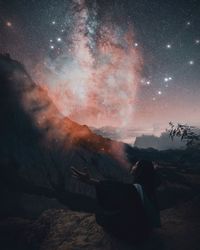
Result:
[{"x": 165, "y": 39}]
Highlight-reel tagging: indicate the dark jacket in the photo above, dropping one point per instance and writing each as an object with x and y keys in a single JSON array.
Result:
[{"x": 121, "y": 211}]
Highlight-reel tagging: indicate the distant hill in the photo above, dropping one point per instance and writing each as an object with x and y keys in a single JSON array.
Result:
[
  {"x": 115, "y": 133},
  {"x": 120, "y": 134},
  {"x": 163, "y": 142}
]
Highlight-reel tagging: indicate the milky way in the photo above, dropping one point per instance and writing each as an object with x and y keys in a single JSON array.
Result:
[{"x": 93, "y": 71}]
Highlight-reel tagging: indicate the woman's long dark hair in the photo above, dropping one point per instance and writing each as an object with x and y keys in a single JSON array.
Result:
[{"x": 144, "y": 173}]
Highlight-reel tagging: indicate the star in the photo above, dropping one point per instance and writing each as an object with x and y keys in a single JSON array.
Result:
[
  {"x": 8, "y": 24},
  {"x": 53, "y": 22},
  {"x": 188, "y": 23},
  {"x": 197, "y": 41},
  {"x": 148, "y": 82},
  {"x": 136, "y": 44},
  {"x": 191, "y": 62},
  {"x": 59, "y": 39},
  {"x": 52, "y": 47},
  {"x": 168, "y": 46},
  {"x": 166, "y": 79},
  {"x": 142, "y": 81},
  {"x": 159, "y": 92}
]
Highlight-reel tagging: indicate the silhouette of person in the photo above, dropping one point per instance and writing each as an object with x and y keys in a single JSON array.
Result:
[{"x": 128, "y": 211}]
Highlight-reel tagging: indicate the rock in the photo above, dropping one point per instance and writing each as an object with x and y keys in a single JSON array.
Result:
[
  {"x": 62, "y": 229},
  {"x": 181, "y": 226},
  {"x": 59, "y": 229}
]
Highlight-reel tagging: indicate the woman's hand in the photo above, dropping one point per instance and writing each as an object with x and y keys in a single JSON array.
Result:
[{"x": 83, "y": 176}]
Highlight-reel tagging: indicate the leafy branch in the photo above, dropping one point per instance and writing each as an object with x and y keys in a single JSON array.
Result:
[{"x": 185, "y": 132}]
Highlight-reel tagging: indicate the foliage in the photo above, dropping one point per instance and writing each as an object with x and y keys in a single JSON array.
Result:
[{"x": 187, "y": 133}]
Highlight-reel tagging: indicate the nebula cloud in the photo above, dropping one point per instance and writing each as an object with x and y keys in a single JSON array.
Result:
[{"x": 93, "y": 78}]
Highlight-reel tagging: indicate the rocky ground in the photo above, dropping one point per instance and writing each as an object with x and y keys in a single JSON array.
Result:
[
  {"x": 59, "y": 229},
  {"x": 63, "y": 229}
]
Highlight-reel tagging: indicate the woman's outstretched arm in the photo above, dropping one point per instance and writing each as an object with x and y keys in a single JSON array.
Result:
[{"x": 84, "y": 176}]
